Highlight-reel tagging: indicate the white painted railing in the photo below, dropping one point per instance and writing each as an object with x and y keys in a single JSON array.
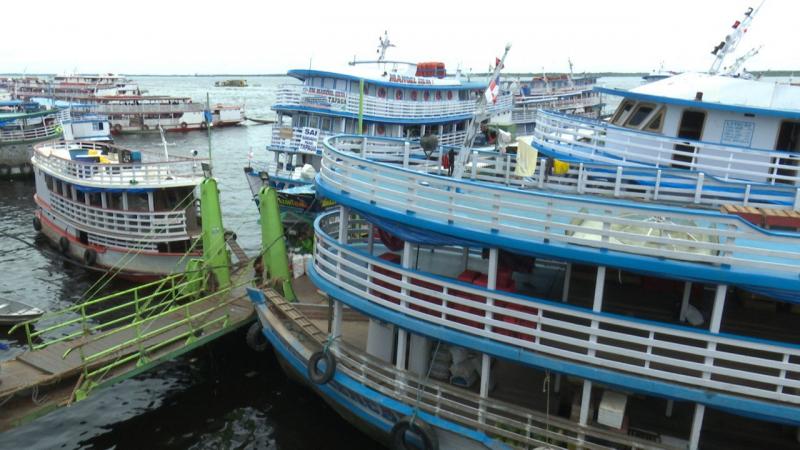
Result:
[
  {"x": 525, "y": 109},
  {"x": 155, "y": 226},
  {"x": 159, "y": 108},
  {"x": 723, "y": 363},
  {"x": 596, "y": 140},
  {"x": 177, "y": 171},
  {"x": 292, "y": 144},
  {"x": 681, "y": 187},
  {"x": 539, "y": 217},
  {"x": 390, "y": 108}
]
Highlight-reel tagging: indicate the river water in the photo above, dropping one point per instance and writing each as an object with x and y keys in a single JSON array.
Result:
[{"x": 220, "y": 396}]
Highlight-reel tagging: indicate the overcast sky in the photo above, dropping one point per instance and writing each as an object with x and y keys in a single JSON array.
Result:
[{"x": 233, "y": 36}]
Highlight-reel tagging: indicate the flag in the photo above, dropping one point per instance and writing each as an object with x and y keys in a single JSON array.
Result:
[
  {"x": 492, "y": 91},
  {"x": 497, "y": 62}
]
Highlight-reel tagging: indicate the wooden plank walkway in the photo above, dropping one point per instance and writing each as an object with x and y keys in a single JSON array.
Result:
[{"x": 39, "y": 381}]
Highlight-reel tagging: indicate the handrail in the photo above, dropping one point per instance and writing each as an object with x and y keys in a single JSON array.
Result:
[
  {"x": 154, "y": 226},
  {"x": 344, "y": 101},
  {"x": 596, "y": 140},
  {"x": 550, "y": 221},
  {"x": 595, "y": 178},
  {"x": 499, "y": 419},
  {"x": 739, "y": 365},
  {"x": 176, "y": 171}
]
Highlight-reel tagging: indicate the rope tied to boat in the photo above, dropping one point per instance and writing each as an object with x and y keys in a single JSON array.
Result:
[
  {"x": 418, "y": 400},
  {"x": 328, "y": 342}
]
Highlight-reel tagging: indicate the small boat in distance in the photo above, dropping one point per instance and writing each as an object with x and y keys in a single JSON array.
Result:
[
  {"x": 13, "y": 312},
  {"x": 231, "y": 83}
]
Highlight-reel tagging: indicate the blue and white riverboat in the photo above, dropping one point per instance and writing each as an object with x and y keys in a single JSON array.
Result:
[{"x": 377, "y": 98}]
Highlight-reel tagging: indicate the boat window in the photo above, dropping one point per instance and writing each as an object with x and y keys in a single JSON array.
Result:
[
  {"x": 300, "y": 121},
  {"x": 326, "y": 123},
  {"x": 340, "y": 84},
  {"x": 95, "y": 199},
  {"x": 80, "y": 197},
  {"x": 655, "y": 122},
  {"x": 138, "y": 202},
  {"x": 313, "y": 122},
  {"x": 642, "y": 112},
  {"x": 329, "y": 83},
  {"x": 115, "y": 200},
  {"x": 788, "y": 141},
  {"x": 622, "y": 112}
]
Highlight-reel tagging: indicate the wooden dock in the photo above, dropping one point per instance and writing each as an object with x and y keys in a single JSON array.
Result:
[{"x": 55, "y": 375}]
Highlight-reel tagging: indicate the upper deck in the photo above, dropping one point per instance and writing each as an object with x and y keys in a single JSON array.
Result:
[
  {"x": 665, "y": 240},
  {"x": 102, "y": 165}
]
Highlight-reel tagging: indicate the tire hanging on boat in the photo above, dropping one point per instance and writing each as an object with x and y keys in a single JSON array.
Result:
[
  {"x": 324, "y": 376},
  {"x": 63, "y": 244},
  {"x": 255, "y": 338},
  {"x": 184, "y": 125},
  {"x": 117, "y": 128},
  {"x": 89, "y": 257},
  {"x": 203, "y": 125},
  {"x": 430, "y": 441},
  {"x": 37, "y": 224}
]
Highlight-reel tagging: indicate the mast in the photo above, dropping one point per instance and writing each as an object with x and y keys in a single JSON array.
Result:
[
  {"x": 480, "y": 115},
  {"x": 731, "y": 41}
]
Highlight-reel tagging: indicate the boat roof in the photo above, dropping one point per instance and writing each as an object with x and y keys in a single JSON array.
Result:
[
  {"x": 719, "y": 93},
  {"x": 384, "y": 74}
]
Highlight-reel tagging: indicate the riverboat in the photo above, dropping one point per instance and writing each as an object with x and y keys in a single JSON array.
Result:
[
  {"x": 115, "y": 208},
  {"x": 530, "y": 302},
  {"x": 23, "y": 124},
  {"x": 374, "y": 97}
]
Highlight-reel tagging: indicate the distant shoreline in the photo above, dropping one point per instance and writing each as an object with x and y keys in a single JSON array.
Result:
[{"x": 767, "y": 73}]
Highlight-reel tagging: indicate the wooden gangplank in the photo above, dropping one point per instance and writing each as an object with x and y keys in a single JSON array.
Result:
[{"x": 40, "y": 381}]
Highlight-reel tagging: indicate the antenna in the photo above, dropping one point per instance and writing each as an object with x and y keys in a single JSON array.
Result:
[
  {"x": 384, "y": 43},
  {"x": 731, "y": 41}
]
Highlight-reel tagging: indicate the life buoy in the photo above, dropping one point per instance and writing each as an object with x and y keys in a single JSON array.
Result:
[
  {"x": 255, "y": 338},
  {"x": 89, "y": 257},
  {"x": 380, "y": 130},
  {"x": 426, "y": 95},
  {"x": 438, "y": 95},
  {"x": 37, "y": 224},
  {"x": 63, "y": 244},
  {"x": 117, "y": 128},
  {"x": 326, "y": 375},
  {"x": 381, "y": 92},
  {"x": 398, "y": 94},
  {"x": 184, "y": 125},
  {"x": 414, "y": 95},
  {"x": 203, "y": 125},
  {"x": 428, "y": 437},
  {"x": 449, "y": 95},
  {"x": 391, "y": 241},
  {"x": 145, "y": 128}
]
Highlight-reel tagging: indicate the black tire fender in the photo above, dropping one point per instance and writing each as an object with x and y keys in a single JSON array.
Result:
[
  {"x": 89, "y": 257},
  {"x": 326, "y": 375},
  {"x": 63, "y": 244},
  {"x": 255, "y": 338},
  {"x": 430, "y": 441},
  {"x": 37, "y": 224}
]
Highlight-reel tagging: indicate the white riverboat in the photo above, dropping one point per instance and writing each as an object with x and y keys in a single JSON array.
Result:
[
  {"x": 117, "y": 208},
  {"x": 377, "y": 98},
  {"x": 522, "y": 302},
  {"x": 566, "y": 93},
  {"x": 23, "y": 124}
]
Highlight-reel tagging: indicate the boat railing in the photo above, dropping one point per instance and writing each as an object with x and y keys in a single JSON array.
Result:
[
  {"x": 152, "y": 226},
  {"x": 526, "y": 112},
  {"x": 658, "y": 231},
  {"x": 177, "y": 171},
  {"x": 281, "y": 138},
  {"x": 599, "y": 141},
  {"x": 157, "y": 108},
  {"x": 336, "y": 100},
  {"x": 736, "y": 365},
  {"x": 48, "y": 126},
  {"x": 665, "y": 185}
]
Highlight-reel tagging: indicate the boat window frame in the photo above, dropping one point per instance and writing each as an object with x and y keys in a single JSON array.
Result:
[
  {"x": 638, "y": 107},
  {"x": 621, "y": 115},
  {"x": 659, "y": 113}
]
